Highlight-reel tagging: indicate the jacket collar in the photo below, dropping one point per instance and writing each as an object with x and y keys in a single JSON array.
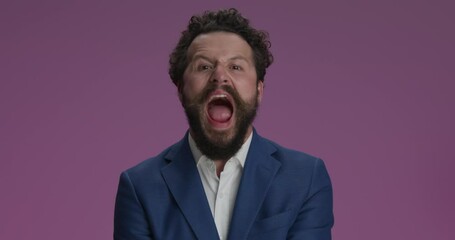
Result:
[
  {"x": 182, "y": 177},
  {"x": 258, "y": 174}
]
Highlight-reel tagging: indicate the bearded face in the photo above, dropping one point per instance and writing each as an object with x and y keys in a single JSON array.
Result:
[
  {"x": 219, "y": 104},
  {"x": 220, "y": 93}
]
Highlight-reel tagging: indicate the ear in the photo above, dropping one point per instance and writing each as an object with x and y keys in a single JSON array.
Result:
[
  {"x": 180, "y": 97},
  {"x": 179, "y": 92},
  {"x": 260, "y": 88}
]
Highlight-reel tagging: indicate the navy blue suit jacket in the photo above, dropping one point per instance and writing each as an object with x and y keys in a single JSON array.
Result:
[{"x": 283, "y": 194}]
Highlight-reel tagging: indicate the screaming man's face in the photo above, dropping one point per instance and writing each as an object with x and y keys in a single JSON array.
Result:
[{"x": 220, "y": 93}]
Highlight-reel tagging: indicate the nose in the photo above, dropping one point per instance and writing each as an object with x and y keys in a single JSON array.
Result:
[{"x": 220, "y": 76}]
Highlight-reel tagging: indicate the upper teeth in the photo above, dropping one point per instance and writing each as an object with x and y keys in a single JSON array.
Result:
[{"x": 219, "y": 96}]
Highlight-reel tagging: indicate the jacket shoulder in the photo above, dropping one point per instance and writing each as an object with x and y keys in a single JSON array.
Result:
[
  {"x": 290, "y": 157},
  {"x": 153, "y": 164}
]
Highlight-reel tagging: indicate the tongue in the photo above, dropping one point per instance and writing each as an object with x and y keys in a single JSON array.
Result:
[{"x": 220, "y": 113}]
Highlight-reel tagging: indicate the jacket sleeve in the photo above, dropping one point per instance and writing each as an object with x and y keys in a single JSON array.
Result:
[
  {"x": 130, "y": 221},
  {"x": 315, "y": 218}
]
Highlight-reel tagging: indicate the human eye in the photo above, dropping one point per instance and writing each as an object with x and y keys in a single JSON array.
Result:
[
  {"x": 236, "y": 67},
  {"x": 204, "y": 67}
]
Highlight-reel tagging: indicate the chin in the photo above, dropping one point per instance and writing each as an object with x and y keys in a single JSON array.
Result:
[{"x": 221, "y": 137}]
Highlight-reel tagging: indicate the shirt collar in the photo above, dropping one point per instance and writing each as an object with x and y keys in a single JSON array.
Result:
[{"x": 240, "y": 155}]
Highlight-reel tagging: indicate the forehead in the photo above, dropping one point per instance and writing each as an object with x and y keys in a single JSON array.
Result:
[{"x": 219, "y": 45}]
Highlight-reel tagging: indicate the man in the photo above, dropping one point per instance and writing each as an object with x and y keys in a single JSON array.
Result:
[{"x": 223, "y": 180}]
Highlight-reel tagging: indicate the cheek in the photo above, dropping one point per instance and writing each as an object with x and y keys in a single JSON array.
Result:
[
  {"x": 248, "y": 93},
  {"x": 191, "y": 87}
]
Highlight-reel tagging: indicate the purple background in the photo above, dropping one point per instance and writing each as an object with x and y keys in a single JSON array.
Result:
[{"x": 368, "y": 87}]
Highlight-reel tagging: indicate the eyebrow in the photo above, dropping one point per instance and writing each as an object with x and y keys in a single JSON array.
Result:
[
  {"x": 200, "y": 56},
  {"x": 236, "y": 57},
  {"x": 239, "y": 57}
]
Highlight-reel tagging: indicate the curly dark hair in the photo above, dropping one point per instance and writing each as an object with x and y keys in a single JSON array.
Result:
[{"x": 227, "y": 20}]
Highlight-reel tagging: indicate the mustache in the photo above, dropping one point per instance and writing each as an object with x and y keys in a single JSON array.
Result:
[{"x": 204, "y": 95}]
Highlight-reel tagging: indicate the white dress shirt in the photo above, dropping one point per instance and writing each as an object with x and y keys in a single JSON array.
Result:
[{"x": 221, "y": 192}]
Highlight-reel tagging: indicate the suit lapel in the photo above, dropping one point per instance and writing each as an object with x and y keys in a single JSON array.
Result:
[
  {"x": 182, "y": 178},
  {"x": 259, "y": 171}
]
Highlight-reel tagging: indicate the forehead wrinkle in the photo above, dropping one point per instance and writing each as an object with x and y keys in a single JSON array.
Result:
[{"x": 212, "y": 51}]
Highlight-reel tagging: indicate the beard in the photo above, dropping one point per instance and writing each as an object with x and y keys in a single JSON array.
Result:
[{"x": 216, "y": 144}]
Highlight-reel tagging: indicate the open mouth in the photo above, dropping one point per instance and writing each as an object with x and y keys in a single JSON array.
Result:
[{"x": 220, "y": 110}]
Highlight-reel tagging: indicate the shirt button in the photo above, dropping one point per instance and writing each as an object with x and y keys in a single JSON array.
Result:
[{"x": 220, "y": 195}]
